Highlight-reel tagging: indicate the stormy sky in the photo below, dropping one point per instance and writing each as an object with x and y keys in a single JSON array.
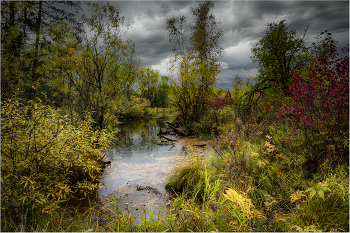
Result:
[{"x": 243, "y": 23}]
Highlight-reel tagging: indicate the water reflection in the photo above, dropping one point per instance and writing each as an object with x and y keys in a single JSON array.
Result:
[{"x": 136, "y": 157}]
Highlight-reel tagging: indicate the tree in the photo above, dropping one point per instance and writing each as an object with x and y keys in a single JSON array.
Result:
[
  {"x": 163, "y": 88},
  {"x": 104, "y": 52},
  {"x": 196, "y": 53},
  {"x": 278, "y": 53},
  {"x": 27, "y": 27},
  {"x": 148, "y": 83}
]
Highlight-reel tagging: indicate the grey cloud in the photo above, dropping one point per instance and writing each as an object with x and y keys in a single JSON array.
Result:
[{"x": 243, "y": 23}]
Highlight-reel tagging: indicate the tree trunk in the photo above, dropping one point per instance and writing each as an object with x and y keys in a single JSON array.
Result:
[{"x": 36, "y": 51}]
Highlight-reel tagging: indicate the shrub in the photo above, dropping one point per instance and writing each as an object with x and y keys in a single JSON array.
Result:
[
  {"x": 135, "y": 108},
  {"x": 319, "y": 104},
  {"x": 43, "y": 160},
  {"x": 217, "y": 112}
]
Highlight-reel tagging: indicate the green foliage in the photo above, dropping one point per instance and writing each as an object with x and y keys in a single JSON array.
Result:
[
  {"x": 103, "y": 53},
  {"x": 185, "y": 178},
  {"x": 196, "y": 56},
  {"x": 163, "y": 92},
  {"x": 79, "y": 70},
  {"x": 44, "y": 159},
  {"x": 148, "y": 83},
  {"x": 325, "y": 207},
  {"x": 29, "y": 30},
  {"x": 135, "y": 108},
  {"x": 278, "y": 53}
]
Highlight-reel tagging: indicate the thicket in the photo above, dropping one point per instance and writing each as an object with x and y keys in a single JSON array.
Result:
[
  {"x": 44, "y": 160},
  {"x": 281, "y": 143},
  {"x": 275, "y": 167}
]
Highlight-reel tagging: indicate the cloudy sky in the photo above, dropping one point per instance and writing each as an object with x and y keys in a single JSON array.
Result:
[{"x": 243, "y": 23}]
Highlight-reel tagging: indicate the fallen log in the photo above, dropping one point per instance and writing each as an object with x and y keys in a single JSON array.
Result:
[
  {"x": 170, "y": 123},
  {"x": 165, "y": 143},
  {"x": 169, "y": 139},
  {"x": 178, "y": 131},
  {"x": 165, "y": 132}
]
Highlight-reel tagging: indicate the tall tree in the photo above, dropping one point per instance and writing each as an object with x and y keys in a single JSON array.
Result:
[
  {"x": 27, "y": 27},
  {"x": 196, "y": 53},
  {"x": 104, "y": 52},
  {"x": 278, "y": 53}
]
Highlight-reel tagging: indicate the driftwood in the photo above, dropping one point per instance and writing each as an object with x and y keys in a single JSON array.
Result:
[
  {"x": 165, "y": 143},
  {"x": 201, "y": 145},
  {"x": 173, "y": 130},
  {"x": 178, "y": 131},
  {"x": 165, "y": 132},
  {"x": 169, "y": 139}
]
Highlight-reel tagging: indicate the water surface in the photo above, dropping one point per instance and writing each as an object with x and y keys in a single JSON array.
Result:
[
  {"x": 137, "y": 158},
  {"x": 140, "y": 167}
]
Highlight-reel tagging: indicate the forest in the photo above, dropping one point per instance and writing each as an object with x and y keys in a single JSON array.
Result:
[{"x": 281, "y": 139}]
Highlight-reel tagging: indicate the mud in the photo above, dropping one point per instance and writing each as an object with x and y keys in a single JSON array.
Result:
[{"x": 139, "y": 203}]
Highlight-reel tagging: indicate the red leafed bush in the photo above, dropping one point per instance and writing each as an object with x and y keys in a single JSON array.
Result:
[
  {"x": 320, "y": 104},
  {"x": 218, "y": 102},
  {"x": 216, "y": 112}
]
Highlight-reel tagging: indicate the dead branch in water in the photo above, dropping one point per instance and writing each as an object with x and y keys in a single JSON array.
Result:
[{"x": 169, "y": 139}]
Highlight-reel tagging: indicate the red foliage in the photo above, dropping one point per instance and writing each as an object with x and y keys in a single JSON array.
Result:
[
  {"x": 213, "y": 107},
  {"x": 320, "y": 104},
  {"x": 218, "y": 102}
]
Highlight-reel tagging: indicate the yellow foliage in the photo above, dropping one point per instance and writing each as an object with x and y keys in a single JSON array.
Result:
[
  {"x": 297, "y": 196},
  {"x": 239, "y": 199},
  {"x": 46, "y": 156}
]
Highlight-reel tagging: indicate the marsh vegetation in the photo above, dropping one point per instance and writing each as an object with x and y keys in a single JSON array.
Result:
[{"x": 279, "y": 141}]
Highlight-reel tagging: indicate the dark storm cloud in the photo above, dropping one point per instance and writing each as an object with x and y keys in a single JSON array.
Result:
[
  {"x": 148, "y": 27},
  {"x": 243, "y": 23}
]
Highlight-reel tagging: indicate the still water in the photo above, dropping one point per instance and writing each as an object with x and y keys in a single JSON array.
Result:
[
  {"x": 139, "y": 159},
  {"x": 136, "y": 156}
]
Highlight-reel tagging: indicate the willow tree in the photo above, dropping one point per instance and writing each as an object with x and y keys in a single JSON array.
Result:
[{"x": 196, "y": 54}]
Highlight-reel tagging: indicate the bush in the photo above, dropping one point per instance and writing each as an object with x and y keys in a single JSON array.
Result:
[
  {"x": 135, "y": 108},
  {"x": 319, "y": 105},
  {"x": 44, "y": 159}
]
